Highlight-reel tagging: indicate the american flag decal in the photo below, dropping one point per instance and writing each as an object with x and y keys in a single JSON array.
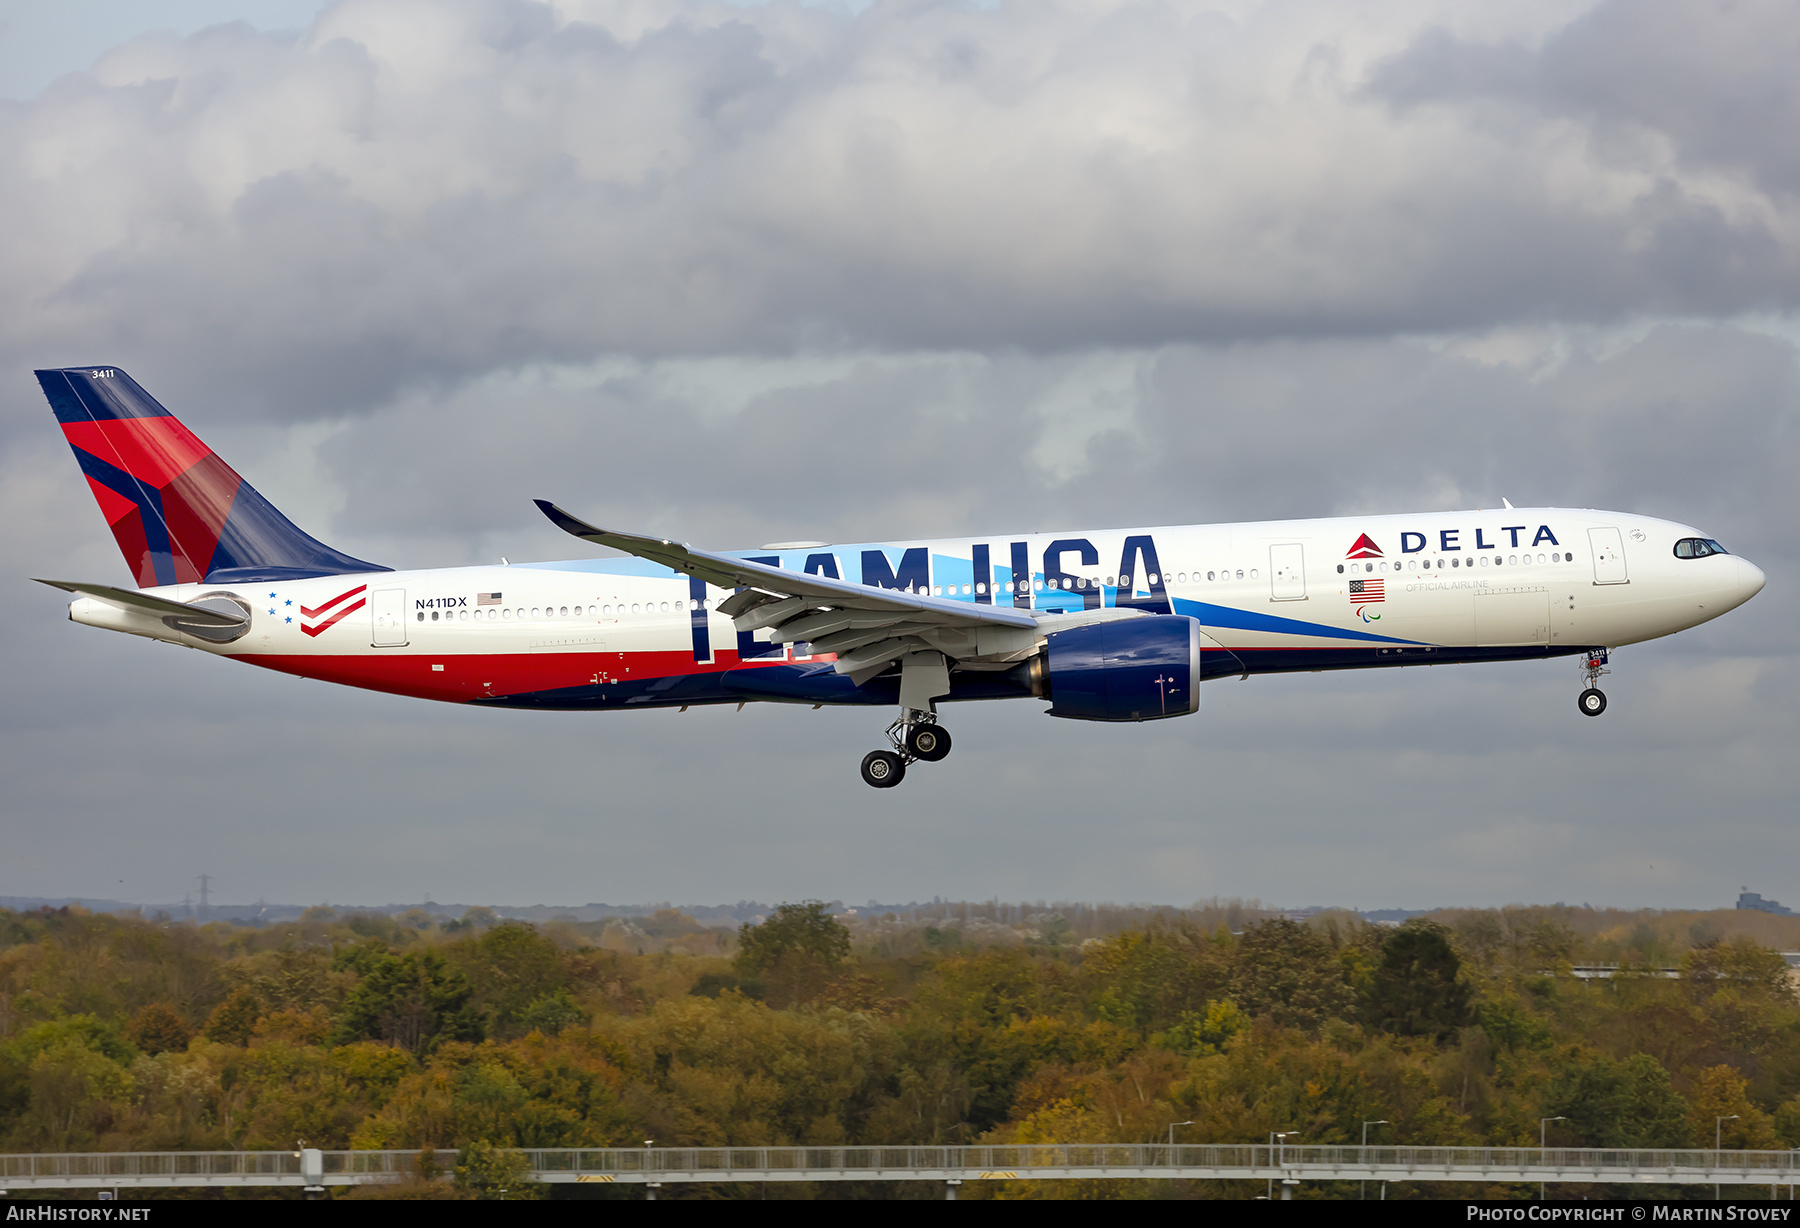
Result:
[
  {"x": 1365, "y": 592},
  {"x": 487, "y": 598}
]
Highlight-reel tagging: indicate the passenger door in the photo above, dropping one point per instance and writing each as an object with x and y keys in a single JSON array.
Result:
[
  {"x": 388, "y": 615},
  {"x": 1609, "y": 556}
]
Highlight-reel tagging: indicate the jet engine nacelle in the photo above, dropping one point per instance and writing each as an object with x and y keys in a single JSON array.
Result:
[{"x": 1131, "y": 669}]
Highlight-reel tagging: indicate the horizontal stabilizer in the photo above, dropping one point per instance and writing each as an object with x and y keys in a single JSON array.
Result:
[{"x": 159, "y": 607}]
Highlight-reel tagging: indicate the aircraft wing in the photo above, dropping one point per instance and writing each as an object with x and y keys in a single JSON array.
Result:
[{"x": 867, "y": 628}]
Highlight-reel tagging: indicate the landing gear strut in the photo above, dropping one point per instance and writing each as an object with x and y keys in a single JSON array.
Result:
[
  {"x": 916, "y": 737},
  {"x": 1593, "y": 700}
]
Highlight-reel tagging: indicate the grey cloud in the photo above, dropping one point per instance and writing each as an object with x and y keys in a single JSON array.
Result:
[
  {"x": 1715, "y": 81},
  {"x": 318, "y": 222}
]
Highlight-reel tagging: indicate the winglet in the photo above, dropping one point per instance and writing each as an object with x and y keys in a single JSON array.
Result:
[{"x": 726, "y": 573}]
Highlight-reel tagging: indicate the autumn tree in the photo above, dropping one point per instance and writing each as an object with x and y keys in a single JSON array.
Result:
[
  {"x": 509, "y": 968},
  {"x": 234, "y": 1021},
  {"x": 1722, "y": 1093},
  {"x": 793, "y": 952},
  {"x": 1415, "y": 991},
  {"x": 158, "y": 1029},
  {"x": 1288, "y": 972},
  {"x": 415, "y": 1001},
  {"x": 1608, "y": 1103}
]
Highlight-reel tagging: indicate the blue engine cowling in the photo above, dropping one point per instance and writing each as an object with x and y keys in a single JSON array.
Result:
[{"x": 1131, "y": 669}]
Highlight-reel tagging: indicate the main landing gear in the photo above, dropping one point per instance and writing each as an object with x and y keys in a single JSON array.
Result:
[
  {"x": 916, "y": 737},
  {"x": 1593, "y": 700}
]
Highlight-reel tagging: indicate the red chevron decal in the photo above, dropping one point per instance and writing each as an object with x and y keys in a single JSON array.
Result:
[
  {"x": 326, "y": 625},
  {"x": 315, "y": 613}
]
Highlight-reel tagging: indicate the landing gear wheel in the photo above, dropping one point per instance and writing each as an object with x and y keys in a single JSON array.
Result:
[
  {"x": 1592, "y": 702},
  {"x": 883, "y": 769},
  {"x": 928, "y": 742}
]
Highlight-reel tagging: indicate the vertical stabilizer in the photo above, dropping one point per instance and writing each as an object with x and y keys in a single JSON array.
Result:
[{"x": 179, "y": 513}]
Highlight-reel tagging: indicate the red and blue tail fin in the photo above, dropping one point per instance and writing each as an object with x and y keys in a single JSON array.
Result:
[{"x": 180, "y": 514}]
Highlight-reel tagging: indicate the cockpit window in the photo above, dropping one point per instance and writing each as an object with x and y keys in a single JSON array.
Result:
[{"x": 1698, "y": 548}]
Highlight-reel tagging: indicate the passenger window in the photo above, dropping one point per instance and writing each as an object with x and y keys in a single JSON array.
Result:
[
  {"x": 1209, "y": 575},
  {"x": 1240, "y": 574},
  {"x": 1340, "y": 569}
]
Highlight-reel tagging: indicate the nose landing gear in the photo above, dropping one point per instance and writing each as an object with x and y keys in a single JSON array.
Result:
[
  {"x": 1592, "y": 701},
  {"x": 917, "y": 737}
]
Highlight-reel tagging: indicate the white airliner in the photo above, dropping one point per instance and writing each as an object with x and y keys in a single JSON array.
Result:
[{"x": 1106, "y": 625}]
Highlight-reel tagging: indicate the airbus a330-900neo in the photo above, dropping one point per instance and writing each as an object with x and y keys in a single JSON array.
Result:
[{"x": 1107, "y": 625}]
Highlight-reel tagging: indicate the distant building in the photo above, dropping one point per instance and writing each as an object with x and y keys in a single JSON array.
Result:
[{"x": 1755, "y": 903}]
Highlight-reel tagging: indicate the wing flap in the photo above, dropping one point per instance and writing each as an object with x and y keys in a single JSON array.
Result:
[{"x": 866, "y": 628}]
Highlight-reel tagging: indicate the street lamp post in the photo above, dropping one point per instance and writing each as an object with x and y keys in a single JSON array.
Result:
[
  {"x": 1278, "y": 1139},
  {"x": 1718, "y": 1144},
  {"x": 1361, "y": 1186},
  {"x": 1544, "y": 1124},
  {"x": 1172, "y": 1126}
]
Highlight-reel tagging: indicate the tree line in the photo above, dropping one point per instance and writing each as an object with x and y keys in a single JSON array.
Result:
[{"x": 119, "y": 1033}]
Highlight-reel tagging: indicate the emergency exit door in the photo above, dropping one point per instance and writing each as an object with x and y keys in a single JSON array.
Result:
[{"x": 1609, "y": 556}]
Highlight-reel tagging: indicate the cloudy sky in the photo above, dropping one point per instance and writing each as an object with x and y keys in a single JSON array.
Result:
[{"x": 743, "y": 273}]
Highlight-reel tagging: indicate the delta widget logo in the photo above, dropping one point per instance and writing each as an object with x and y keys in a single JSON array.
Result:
[{"x": 1369, "y": 590}]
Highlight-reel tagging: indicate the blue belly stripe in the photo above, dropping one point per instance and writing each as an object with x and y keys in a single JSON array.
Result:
[{"x": 1244, "y": 620}]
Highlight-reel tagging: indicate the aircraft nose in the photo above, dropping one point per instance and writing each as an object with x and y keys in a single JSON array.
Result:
[{"x": 1750, "y": 579}]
